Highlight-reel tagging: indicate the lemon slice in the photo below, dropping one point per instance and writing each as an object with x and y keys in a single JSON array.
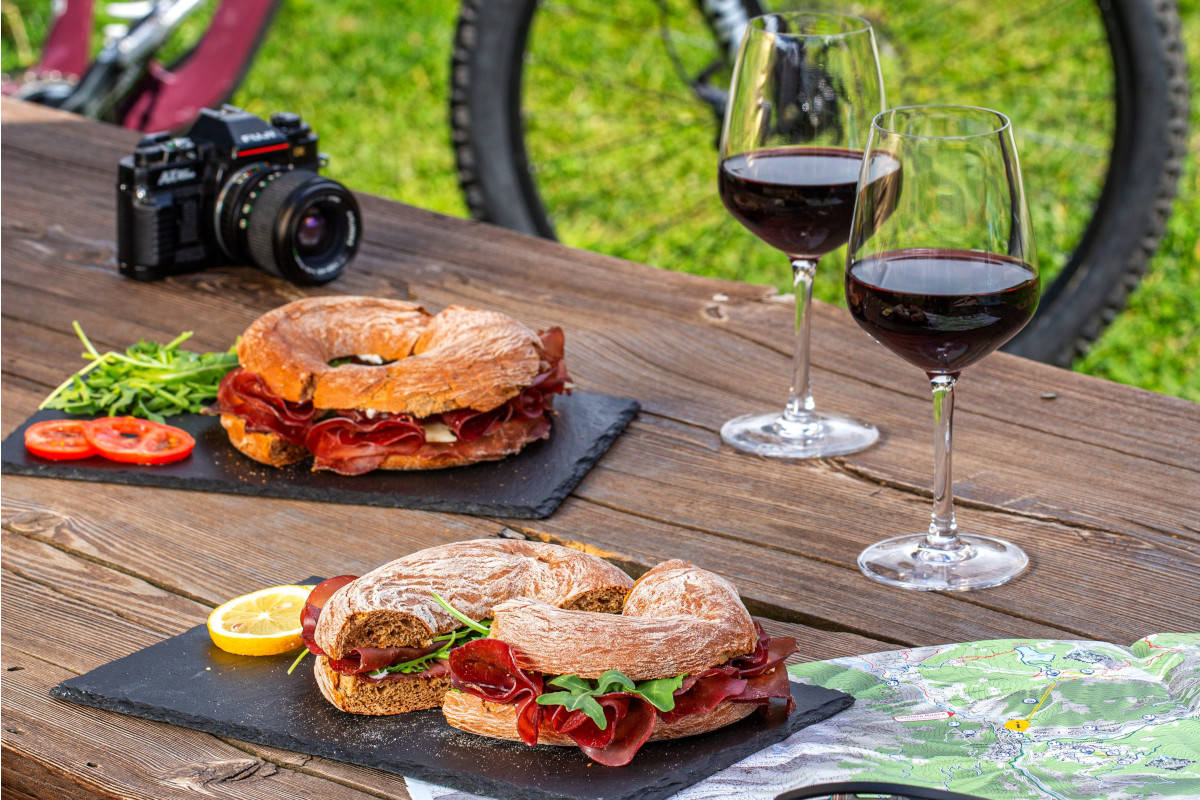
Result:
[{"x": 262, "y": 623}]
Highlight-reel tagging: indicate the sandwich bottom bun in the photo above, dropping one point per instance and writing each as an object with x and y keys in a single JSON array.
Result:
[
  {"x": 362, "y": 696},
  {"x": 266, "y": 448},
  {"x": 499, "y": 721}
]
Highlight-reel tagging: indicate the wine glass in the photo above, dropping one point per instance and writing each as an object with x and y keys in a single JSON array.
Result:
[
  {"x": 805, "y": 88},
  {"x": 942, "y": 273}
]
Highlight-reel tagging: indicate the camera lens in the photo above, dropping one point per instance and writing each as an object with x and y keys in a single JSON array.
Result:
[
  {"x": 312, "y": 234},
  {"x": 292, "y": 223}
]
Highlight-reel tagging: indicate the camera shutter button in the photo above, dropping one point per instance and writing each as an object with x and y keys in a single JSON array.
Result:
[{"x": 285, "y": 120}]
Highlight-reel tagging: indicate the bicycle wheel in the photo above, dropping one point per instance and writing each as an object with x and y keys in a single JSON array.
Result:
[{"x": 572, "y": 121}]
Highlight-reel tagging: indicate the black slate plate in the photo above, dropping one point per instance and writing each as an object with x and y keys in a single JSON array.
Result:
[
  {"x": 187, "y": 681},
  {"x": 529, "y": 485}
]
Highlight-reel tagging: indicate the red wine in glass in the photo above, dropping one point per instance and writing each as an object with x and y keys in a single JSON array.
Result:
[
  {"x": 798, "y": 200},
  {"x": 941, "y": 309}
]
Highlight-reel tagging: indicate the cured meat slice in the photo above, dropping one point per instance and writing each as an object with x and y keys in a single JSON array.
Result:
[
  {"x": 244, "y": 394},
  {"x": 487, "y": 669},
  {"x": 351, "y": 443},
  {"x": 317, "y": 599}
]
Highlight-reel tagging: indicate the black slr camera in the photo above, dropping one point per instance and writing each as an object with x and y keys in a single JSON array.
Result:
[{"x": 234, "y": 190}]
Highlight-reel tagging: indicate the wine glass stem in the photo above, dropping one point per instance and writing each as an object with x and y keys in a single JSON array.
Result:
[
  {"x": 800, "y": 401},
  {"x": 943, "y": 531}
]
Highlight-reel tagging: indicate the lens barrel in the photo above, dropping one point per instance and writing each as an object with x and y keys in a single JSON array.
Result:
[{"x": 291, "y": 223}]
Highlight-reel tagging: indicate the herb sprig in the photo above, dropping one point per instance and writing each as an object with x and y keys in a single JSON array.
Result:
[
  {"x": 148, "y": 380},
  {"x": 579, "y": 694}
]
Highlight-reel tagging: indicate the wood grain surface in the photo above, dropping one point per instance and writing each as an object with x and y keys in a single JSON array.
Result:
[{"x": 1100, "y": 483}]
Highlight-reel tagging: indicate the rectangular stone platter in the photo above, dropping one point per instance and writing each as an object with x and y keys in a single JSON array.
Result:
[
  {"x": 187, "y": 681},
  {"x": 528, "y": 485}
]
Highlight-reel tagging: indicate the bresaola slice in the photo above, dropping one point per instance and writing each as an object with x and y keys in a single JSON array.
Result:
[
  {"x": 317, "y": 599},
  {"x": 702, "y": 693},
  {"x": 352, "y": 443},
  {"x": 630, "y": 721},
  {"x": 486, "y": 668},
  {"x": 244, "y": 395}
]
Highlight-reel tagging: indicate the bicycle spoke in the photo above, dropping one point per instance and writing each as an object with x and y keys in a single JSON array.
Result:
[
  {"x": 624, "y": 116},
  {"x": 561, "y": 70}
]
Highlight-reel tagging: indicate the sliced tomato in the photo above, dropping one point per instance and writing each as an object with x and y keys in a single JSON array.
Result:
[
  {"x": 138, "y": 441},
  {"x": 58, "y": 439}
]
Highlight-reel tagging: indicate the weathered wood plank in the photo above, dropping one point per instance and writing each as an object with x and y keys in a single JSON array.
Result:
[
  {"x": 128, "y": 757},
  {"x": 209, "y": 557}
]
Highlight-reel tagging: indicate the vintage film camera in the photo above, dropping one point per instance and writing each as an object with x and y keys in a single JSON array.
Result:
[{"x": 234, "y": 190}]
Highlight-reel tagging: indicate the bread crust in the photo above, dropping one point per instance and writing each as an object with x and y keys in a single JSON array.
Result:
[
  {"x": 460, "y": 358},
  {"x": 677, "y": 619},
  {"x": 393, "y": 606},
  {"x": 357, "y": 695},
  {"x": 499, "y": 720}
]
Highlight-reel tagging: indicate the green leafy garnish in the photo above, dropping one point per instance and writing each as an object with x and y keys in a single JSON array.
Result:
[
  {"x": 579, "y": 694},
  {"x": 148, "y": 380}
]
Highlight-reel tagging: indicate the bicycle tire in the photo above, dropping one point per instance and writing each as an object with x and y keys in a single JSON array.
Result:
[{"x": 1148, "y": 145}]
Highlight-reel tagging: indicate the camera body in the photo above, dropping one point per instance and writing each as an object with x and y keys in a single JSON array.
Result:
[{"x": 234, "y": 189}]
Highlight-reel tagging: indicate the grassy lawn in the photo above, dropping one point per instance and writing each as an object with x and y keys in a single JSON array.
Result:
[{"x": 372, "y": 79}]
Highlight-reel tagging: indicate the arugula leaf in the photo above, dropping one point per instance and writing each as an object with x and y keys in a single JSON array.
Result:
[
  {"x": 661, "y": 693},
  {"x": 614, "y": 677},
  {"x": 580, "y": 693},
  {"x": 148, "y": 380},
  {"x": 572, "y": 683}
]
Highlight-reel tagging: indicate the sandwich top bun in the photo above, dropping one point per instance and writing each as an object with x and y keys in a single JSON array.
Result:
[
  {"x": 678, "y": 619},
  {"x": 460, "y": 358}
]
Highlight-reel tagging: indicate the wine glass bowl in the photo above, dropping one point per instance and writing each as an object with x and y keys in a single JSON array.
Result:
[
  {"x": 941, "y": 273},
  {"x": 805, "y": 88}
]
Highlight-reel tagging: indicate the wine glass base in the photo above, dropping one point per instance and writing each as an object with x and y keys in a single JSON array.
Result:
[
  {"x": 905, "y": 562},
  {"x": 774, "y": 436}
]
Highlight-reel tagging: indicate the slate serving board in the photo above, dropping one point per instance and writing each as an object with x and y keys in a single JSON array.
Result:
[
  {"x": 528, "y": 485},
  {"x": 187, "y": 681}
]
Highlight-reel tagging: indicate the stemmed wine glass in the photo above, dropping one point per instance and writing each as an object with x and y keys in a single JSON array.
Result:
[
  {"x": 942, "y": 273},
  {"x": 805, "y": 88}
]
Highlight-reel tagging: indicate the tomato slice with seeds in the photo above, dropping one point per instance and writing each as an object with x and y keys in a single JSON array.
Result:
[
  {"x": 58, "y": 439},
  {"x": 138, "y": 441}
]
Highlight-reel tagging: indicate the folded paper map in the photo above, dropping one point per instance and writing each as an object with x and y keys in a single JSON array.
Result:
[{"x": 1006, "y": 720}]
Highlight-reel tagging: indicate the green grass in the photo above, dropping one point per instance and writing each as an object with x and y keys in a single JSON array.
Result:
[{"x": 372, "y": 79}]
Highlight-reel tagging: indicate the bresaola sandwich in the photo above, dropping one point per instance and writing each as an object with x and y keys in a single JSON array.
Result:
[
  {"x": 541, "y": 645},
  {"x": 361, "y": 383}
]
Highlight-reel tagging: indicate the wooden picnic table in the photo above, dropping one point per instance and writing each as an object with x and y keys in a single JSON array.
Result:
[{"x": 1098, "y": 482}]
